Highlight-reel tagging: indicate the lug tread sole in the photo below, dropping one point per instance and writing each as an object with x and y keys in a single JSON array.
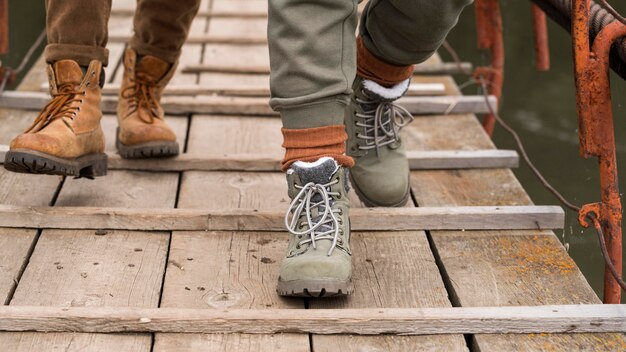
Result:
[
  {"x": 315, "y": 288},
  {"x": 154, "y": 149},
  {"x": 35, "y": 162}
]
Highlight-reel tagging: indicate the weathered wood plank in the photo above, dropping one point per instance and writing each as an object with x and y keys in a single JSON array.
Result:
[
  {"x": 391, "y": 270},
  {"x": 429, "y": 69},
  {"x": 415, "y": 89},
  {"x": 488, "y": 268},
  {"x": 200, "y": 275},
  {"x": 437, "y": 105},
  {"x": 97, "y": 268},
  {"x": 431, "y": 160},
  {"x": 202, "y": 13},
  {"x": 404, "y": 321},
  {"x": 15, "y": 244},
  {"x": 203, "y": 39},
  {"x": 371, "y": 219}
]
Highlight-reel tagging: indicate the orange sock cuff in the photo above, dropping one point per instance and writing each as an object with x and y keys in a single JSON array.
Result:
[
  {"x": 310, "y": 144},
  {"x": 372, "y": 68}
]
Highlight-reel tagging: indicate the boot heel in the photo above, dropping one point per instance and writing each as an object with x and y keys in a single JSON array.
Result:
[{"x": 95, "y": 166}]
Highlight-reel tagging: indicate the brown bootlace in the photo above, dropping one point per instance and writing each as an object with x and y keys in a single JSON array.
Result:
[
  {"x": 142, "y": 94},
  {"x": 59, "y": 106}
]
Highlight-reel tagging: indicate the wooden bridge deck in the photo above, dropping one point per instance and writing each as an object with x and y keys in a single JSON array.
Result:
[{"x": 238, "y": 269}]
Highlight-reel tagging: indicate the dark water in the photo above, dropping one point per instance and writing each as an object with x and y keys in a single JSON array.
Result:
[
  {"x": 26, "y": 21},
  {"x": 539, "y": 105}
]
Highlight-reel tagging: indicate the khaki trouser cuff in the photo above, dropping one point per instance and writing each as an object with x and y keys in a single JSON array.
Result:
[
  {"x": 325, "y": 113},
  {"x": 83, "y": 54}
]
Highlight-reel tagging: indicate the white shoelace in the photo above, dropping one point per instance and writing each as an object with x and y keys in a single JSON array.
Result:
[
  {"x": 322, "y": 227},
  {"x": 387, "y": 118}
]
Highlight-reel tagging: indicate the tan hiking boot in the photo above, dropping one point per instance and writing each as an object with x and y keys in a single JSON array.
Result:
[
  {"x": 142, "y": 131},
  {"x": 380, "y": 175},
  {"x": 318, "y": 261},
  {"x": 66, "y": 137}
]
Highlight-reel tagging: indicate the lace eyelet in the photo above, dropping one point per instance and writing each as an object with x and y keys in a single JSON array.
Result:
[{"x": 298, "y": 247}]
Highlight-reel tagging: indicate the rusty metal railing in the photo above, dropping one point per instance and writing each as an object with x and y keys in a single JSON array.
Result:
[{"x": 595, "y": 115}]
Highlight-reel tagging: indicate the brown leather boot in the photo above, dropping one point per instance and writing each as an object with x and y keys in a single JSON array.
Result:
[
  {"x": 66, "y": 137},
  {"x": 142, "y": 131}
]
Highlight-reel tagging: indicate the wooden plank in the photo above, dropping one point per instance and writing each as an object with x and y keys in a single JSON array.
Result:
[
  {"x": 121, "y": 276},
  {"x": 95, "y": 268},
  {"x": 437, "y": 105},
  {"x": 247, "y": 275},
  {"x": 203, "y": 39},
  {"x": 391, "y": 270},
  {"x": 202, "y": 13},
  {"x": 371, "y": 219},
  {"x": 430, "y": 69},
  {"x": 489, "y": 268},
  {"x": 431, "y": 160},
  {"x": 15, "y": 244},
  {"x": 404, "y": 321},
  {"x": 415, "y": 89}
]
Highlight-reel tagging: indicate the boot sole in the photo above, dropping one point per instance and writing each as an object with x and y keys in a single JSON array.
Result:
[
  {"x": 315, "y": 288},
  {"x": 371, "y": 204},
  {"x": 156, "y": 149},
  {"x": 34, "y": 162}
]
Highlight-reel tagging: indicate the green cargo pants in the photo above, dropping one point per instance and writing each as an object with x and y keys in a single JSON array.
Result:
[
  {"x": 313, "y": 50},
  {"x": 77, "y": 29}
]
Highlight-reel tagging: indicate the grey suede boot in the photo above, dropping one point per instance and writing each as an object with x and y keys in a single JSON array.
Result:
[
  {"x": 380, "y": 175},
  {"x": 318, "y": 262}
]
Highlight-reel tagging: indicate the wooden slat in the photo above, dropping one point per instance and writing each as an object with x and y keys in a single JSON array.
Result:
[
  {"x": 431, "y": 160},
  {"x": 204, "y": 277},
  {"x": 438, "y": 105},
  {"x": 371, "y": 219},
  {"x": 202, "y": 13},
  {"x": 493, "y": 268},
  {"x": 88, "y": 268},
  {"x": 430, "y": 69},
  {"x": 415, "y": 89},
  {"x": 267, "y": 191},
  {"x": 15, "y": 244},
  {"x": 204, "y": 39},
  {"x": 405, "y": 321}
]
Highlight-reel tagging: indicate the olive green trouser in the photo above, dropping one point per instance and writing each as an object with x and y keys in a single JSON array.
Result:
[
  {"x": 77, "y": 29},
  {"x": 313, "y": 50}
]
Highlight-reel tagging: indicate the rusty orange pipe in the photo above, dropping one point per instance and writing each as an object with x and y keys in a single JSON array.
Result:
[
  {"x": 596, "y": 131},
  {"x": 540, "y": 32},
  {"x": 4, "y": 26},
  {"x": 490, "y": 36}
]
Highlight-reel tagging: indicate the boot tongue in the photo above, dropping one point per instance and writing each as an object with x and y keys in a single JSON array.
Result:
[
  {"x": 152, "y": 67},
  {"x": 67, "y": 71},
  {"x": 318, "y": 172}
]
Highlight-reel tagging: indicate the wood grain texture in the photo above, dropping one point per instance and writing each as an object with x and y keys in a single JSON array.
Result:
[
  {"x": 97, "y": 268},
  {"x": 415, "y": 89},
  {"x": 15, "y": 244},
  {"x": 417, "y": 105},
  {"x": 391, "y": 270},
  {"x": 428, "y": 69},
  {"x": 363, "y": 321},
  {"x": 505, "y": 268},
  {"x": 370, "y": 219},
  {"x": 431, "y": 160},
  {"x": 228, "y": 269}
]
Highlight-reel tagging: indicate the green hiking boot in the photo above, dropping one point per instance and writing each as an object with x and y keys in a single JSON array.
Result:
[
  {"x": 318, "y": 262},
  {"x": 380, "y": 175}
]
